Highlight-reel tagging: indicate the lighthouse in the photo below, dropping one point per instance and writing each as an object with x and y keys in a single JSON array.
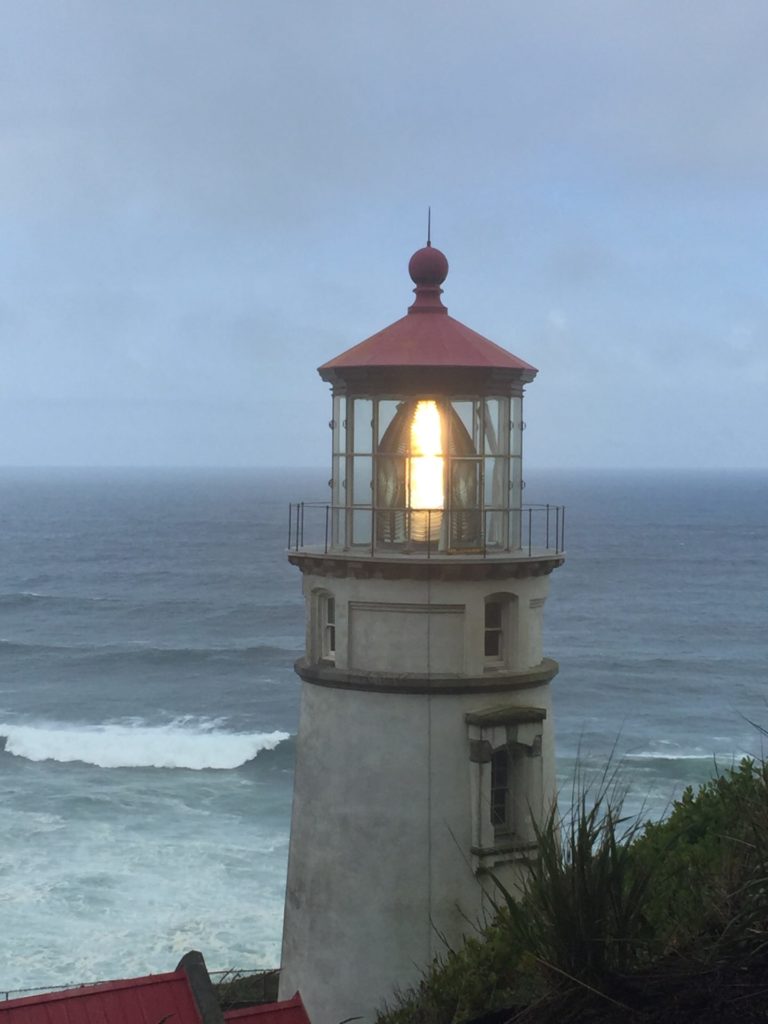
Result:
[{"x": 425, "y": 752}]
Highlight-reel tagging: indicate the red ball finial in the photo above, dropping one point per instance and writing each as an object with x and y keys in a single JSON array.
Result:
[{"x": 428, "y": 267}]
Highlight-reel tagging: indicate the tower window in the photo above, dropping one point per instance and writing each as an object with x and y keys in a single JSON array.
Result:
[
  {"x": 328, "y": 628},
  {"x": 494, "y": 631},
  {"x": 500, "y": 816},
  {"x": 505, "y": 752}
]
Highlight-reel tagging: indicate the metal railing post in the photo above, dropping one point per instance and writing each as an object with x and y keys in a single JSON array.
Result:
[{"x": 562, "y": 533}]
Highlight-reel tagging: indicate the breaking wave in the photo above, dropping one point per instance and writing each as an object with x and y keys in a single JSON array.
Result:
[
  {"x": 183, "y": 743},
  {"x": 724, "y": 758}
]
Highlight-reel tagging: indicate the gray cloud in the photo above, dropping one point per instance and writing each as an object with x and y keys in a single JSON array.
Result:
[{"x": 202, "y": 202}]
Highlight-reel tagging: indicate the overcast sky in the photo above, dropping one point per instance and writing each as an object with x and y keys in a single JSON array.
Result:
[{"x": 202, "y": 200}]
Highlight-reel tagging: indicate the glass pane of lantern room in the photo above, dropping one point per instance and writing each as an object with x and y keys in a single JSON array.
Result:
[
  {"x": 465, "y": 411},
  {"x": 495, "y": 426},
  {"x": 516, "y": 482},
  {"x": 362, "y": 493},
  {"x": 362, "y": 437},
  {"x": 361, "y": 526},
  {"x": 515, "y": 502},
  {"x": 389, "y": 500},
  {"x": 496, "y": 496},
  {"x": 495, "y": 484},
  {"x": 465, "y": 491},
  {"x": 339, "y": 424},
  {"x": 338, "y": 500},
  {"x": 516, "y": 422},
  {"x": 386, "y": 412}
]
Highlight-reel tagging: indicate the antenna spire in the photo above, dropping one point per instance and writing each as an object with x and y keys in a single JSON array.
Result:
[{"x": 429, "y": 226}]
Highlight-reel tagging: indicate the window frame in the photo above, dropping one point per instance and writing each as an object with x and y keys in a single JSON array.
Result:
[
  {"x": 495, "y": 631},
  {"x": 326, "y": 627},
  {"x": 504, "y": 629},
  {"x": 501, "y": 791},
  {"x": 517, "y": 732}
]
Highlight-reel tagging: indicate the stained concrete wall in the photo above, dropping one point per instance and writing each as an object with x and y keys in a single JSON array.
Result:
[
  {"x": 381, "y": 867},
  {"x": 387, "y": 797}
]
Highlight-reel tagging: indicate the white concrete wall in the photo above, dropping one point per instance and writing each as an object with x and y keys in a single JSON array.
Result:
[
  {"x": 429, "y": 637},
  {"x": 419, "y": 627},
  {"x": 387, "y": 803},
  {"x": 380, "y": 860}
]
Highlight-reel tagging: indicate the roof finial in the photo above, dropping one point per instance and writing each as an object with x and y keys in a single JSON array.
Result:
[
  {"x": 429, "y": 226},
  {"x": 428, "y": 269}
]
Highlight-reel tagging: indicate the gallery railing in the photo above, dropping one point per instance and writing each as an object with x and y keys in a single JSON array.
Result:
[{"x": 367, "y": 531}]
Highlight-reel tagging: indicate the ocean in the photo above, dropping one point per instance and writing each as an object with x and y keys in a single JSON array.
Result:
[{"x": 149, "y": 622}]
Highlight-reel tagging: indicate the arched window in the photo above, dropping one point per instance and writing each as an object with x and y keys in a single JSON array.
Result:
[
  {"x": 499, "y": 630},
  {"x": 505, "y": 744},
  {"x": 494, "y": 631},
  {"x": 325, "y": 618}
]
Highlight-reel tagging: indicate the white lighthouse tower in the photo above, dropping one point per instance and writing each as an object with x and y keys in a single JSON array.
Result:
[{"x": 425, "y": 751}]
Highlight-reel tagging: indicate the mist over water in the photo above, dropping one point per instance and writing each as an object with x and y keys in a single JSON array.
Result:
[{"x": 148, "y": 626}]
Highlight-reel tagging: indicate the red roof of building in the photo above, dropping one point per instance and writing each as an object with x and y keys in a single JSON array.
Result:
[
  {"x": 427, "y": 336},
  {"x": 146, "y": 1000},
  {"x": 153, "y": 999},
  {"x": 290, "y": 1011}
]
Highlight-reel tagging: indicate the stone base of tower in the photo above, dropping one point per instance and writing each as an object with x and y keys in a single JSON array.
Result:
[{"x": 392, "y": 837}]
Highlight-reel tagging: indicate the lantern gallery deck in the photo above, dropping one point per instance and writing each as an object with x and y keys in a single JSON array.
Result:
[{"x": 359, "y": 531}]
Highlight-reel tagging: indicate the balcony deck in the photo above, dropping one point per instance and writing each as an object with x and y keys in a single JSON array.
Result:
[{"x": 532, "y": 534}]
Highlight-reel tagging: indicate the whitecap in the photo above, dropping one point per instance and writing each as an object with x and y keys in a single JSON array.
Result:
[{"x": 182, "y": 743}]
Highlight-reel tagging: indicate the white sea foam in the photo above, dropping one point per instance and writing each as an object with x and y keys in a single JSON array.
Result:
[
  {"x": 667, "y": 755},
  {"x": 183, "y": 743}
]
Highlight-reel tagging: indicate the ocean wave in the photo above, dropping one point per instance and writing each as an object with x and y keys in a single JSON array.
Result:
[
  {"x": 24, "y": 598},
  {"x": 145, "y": 651},
  {"x": 196, "y": 744},
  {"x": 661, "y": 755},
  {"x": 13, "y": 647},
  {"x": 148, "y": 654}
]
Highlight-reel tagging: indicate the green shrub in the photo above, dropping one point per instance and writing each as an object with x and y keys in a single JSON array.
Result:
[
  {"x": 484, "y": 974},
  {"x": 670, "y": 917},
  {"x": 703, "y": 854}
]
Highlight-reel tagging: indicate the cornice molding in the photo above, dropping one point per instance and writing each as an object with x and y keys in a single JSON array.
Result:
[
  {"x": 490, "y": 682},
  {"x": 442, "y": 569}
]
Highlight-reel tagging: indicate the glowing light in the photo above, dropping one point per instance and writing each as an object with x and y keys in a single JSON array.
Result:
[{"x": 425, "y": 471}]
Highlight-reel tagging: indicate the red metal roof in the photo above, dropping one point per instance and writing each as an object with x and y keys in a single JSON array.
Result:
[
  {"x": 426, "y": 339},
  {"x": 146, "y": 1000},
  {"x": 290, "y": 1011},
  {"x": 427, "y": 336}
]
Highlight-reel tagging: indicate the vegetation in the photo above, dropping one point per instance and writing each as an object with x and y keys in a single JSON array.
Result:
[
  {"x": 624, "y": 922},
  {"x": 236, "y": 988}
]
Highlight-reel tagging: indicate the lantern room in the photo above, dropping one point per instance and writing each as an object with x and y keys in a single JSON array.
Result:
[{"x": 427, "y": 428}]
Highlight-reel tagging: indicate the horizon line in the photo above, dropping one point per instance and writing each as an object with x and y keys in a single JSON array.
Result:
[{"x": 253, "y": 467}]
